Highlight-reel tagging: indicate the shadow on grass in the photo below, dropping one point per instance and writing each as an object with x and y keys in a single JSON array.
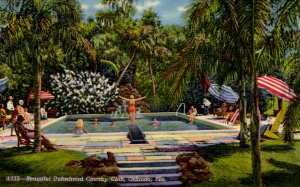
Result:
[
  {"x": 288, "y": 176},
  {"x": 282, "y": 147},
  {"x": 11, "y": 167},
  {"x": 8, "y": 165},
  {"x": 212, "y": 153}
]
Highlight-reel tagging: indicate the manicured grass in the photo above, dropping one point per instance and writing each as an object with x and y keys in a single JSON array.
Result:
[
  {"x": 231, "y": 165},
  {"x": 22, "y": 162}
]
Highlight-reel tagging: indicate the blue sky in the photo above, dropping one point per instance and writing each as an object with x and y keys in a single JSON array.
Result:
[{"x": 169, "y": 11}]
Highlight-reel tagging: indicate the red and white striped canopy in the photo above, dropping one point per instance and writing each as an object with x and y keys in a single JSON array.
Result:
[
  {"x": 43, "y": 95},
  {"x": 276, "y": 87}
]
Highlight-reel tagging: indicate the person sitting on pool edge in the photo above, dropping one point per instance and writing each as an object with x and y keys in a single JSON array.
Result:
[
  {"x": 131, "y": 107},
  {"x": 79, "y": 129},
  {"x": 155, "y": 123},
  {"x": 192, "y": 114}
]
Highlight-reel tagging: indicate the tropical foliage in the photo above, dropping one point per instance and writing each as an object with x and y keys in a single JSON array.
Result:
[{"x": 230, "y": 41}]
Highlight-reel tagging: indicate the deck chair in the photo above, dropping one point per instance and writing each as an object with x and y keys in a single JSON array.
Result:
[
  {"x": 234, "y": 117},
  {"x": 273, "y": 131},
  {"x": 26, "y": 136}
]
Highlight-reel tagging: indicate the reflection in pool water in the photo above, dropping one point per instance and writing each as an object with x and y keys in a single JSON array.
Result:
[{"x": 167, "y": 123}]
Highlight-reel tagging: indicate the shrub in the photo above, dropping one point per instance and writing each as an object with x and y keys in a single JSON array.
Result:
[{"x": 82, "y": 92}]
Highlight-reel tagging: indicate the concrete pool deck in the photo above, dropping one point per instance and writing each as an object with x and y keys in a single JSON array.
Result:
[{"x": 161, "y": 145}]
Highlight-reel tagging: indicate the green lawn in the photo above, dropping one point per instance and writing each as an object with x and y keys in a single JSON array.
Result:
[{"x": 231, "y": 165}]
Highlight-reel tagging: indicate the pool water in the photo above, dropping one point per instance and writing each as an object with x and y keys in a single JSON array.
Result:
[{"x": 167, "y": 123}]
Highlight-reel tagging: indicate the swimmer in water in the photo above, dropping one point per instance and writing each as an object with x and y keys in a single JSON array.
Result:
[
  {"x": 79, "y": 129},
  {"x": 113, "y": 124},
  {"x": 95, "y": 123}
]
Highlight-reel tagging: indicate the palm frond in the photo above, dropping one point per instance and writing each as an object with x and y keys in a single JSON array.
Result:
[
  {"x": 112, "y": 64},
  {"x": 291, "y": 122}
]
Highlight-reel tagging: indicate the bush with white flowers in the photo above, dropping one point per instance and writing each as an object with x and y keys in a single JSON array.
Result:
[{"x": 82, "y": 93}]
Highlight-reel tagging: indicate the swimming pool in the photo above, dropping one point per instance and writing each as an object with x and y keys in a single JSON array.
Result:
[{"x": 167, "y": 123}]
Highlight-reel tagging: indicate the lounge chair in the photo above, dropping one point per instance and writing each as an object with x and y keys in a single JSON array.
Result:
[
  {"x": 273, "y": 131},
  {"x": 233, "y": 118},
  {"x": 26, "y": 136}
]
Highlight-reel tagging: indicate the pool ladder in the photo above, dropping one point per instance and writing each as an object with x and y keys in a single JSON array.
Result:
[{"x": 181, "y": 104}]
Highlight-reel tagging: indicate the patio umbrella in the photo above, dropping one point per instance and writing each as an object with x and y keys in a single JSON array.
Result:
[
  {"x": 276, "y": 87},
  {"x": 3, "y": 84},
  {"x": 224, "y": 93},
  {"x": 43, "y": 95}
]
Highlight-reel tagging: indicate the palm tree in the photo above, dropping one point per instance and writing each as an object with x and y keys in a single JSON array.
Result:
[
  {"x": 33, "y": 32},
  {"x": 135, "y": 37}
]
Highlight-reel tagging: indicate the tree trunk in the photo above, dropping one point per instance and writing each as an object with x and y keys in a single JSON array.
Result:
[
  {"x": 255, "y": 116},
  {"x": 243, "y": 112},
  {"x": 37, "y": 103},
  {"x": 151, "y": 74},
  {"x": 254, "y": 131},
  {"x": 133, "y": 53},
  {"x": 279, "y": 104},
  {"x": 133, "y": 77}
]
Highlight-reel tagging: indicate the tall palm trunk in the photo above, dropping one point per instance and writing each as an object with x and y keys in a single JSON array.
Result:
[
  {"x": 133, "y": 53},
  {"x": 243, "y": 112},
  {"x": 37, "y": 104},
  {"x": 150, "y": 65},
  {"x": 133, "y": 77},
  {"x": 254, "y": 132},
  {"x": 254, "y": 124}
]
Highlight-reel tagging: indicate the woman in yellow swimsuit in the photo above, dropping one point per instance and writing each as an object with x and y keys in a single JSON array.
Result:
[{"x": 131, "y": 107}]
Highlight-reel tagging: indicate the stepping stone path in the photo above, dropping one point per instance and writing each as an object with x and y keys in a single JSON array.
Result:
[{"x": 148, "y": 165}]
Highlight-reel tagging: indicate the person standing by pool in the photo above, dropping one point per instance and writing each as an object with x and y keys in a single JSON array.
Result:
[
  {"x": 206, "y": 104},
  {"x": 131, "y": 107},
  {"x": 10, "y": 106}
]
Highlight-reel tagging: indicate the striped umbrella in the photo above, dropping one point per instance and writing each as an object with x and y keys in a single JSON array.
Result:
[
  {"x": 276, "y": 87},
  {"x": 225, "y": 93},
  {"x": 43, "y": 95}
]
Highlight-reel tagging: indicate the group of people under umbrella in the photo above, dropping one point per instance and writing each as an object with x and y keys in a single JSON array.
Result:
[{"x": 271, "y": 84}]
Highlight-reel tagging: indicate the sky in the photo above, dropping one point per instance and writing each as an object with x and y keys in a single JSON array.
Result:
[{"x": 169, "y": 11}]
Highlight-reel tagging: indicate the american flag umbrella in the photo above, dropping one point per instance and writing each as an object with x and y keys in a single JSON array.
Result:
[
  {"x": 276, "y": 87},
  {"x": 43, "y": 95},
  {"x": 224, "y": 93}
]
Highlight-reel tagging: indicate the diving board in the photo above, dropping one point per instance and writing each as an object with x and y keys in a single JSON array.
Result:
[{"x": 136, "y": 135}]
